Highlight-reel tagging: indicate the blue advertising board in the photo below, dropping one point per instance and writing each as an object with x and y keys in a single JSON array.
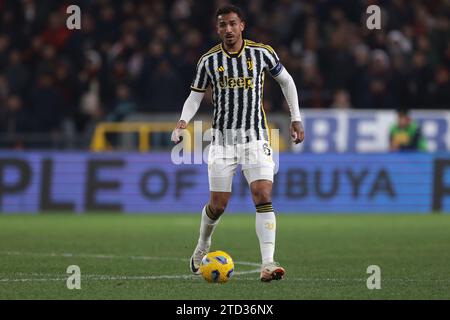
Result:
[
  {"x": 364, "y": 131},
  {"x": 150, "y": 183}
]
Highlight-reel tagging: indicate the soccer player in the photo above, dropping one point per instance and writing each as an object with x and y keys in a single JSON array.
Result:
[{"x": 235, "y": 70}]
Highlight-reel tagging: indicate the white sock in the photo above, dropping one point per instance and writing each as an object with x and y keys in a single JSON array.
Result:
[
  {"x": 207, "y": 227},
  {"x": 266, "y": 229}
]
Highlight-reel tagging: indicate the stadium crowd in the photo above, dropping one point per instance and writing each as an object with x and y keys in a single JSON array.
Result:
[{"x": 141, "y": 55}]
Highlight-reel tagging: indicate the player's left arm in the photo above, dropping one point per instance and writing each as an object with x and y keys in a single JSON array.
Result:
[
  {"x": 287, "y": 84},
  {"x": 289, "y": 89}
]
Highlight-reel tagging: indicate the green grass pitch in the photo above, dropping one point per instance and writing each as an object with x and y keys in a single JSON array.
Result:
[{"x": 146, "y": 256}]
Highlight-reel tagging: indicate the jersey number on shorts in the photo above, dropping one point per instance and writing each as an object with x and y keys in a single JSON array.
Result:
[{"x": 266, "y": 149}]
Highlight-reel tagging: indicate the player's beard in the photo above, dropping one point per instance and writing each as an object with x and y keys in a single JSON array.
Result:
[{"x": 231, "y": 41}]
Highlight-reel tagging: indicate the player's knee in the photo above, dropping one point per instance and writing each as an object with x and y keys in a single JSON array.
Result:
[
  {"x": 262, "y": 196},
  {"x": 218, "y": 208}
]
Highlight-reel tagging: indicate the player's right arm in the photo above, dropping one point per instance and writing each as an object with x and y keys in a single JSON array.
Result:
[
  {"x": 190, "y": 108},
  {"x": 192, "y": 103}
]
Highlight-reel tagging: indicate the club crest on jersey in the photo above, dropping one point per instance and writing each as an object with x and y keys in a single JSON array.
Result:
[
  {"x": 238, "y": 82},
  {"x": 250, "y": 65}
]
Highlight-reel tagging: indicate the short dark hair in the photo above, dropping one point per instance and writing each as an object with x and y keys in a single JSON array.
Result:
[
  {"x": 229, "y": 8},
  {"x": 404, "y": 112}
]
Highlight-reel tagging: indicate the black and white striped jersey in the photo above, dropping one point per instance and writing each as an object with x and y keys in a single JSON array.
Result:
[{"x": 237, "y": 81}]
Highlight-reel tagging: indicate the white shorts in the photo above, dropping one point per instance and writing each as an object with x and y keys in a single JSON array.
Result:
[{"x": 254, "y": 157}]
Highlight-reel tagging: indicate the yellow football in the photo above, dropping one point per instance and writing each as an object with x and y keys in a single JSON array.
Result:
[{"x": 217, "y": 267}]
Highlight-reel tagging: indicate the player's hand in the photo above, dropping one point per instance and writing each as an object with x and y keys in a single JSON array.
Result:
[
  {"x": 297, "y": 132},
  {"x": 176, "y": 133}
]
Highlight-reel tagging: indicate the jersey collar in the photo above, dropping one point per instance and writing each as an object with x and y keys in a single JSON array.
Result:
[{"x": 234, "y": 54}]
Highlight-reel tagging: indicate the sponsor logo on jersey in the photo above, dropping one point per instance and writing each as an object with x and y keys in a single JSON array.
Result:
[{"x": 238, "y": 82}]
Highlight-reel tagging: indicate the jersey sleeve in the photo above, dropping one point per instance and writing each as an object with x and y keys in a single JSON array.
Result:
[
  {"x": 201, "y": 78},
  {"x": 272, "y": 62}
]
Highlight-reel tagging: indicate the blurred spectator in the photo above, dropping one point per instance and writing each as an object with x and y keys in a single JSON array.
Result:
[
  {"x": 89, "y": 79},
  {"x": 56, "y": 34},
  {"x": 14, "y": 116},
  {"x": 48, "y": 106},
  {"x": 4, "y": 44},
  {"x": 163, "y": 84},
  {"x": 14, "y": 121},
  {"x": 17, "y": 75},
  {"x": 440, "y": 92},
  {"x": 419, "y": 80},
  {"x": 378, "y": 94},
  {"x": 123, "y": 105},
  {"x": 341, "y": 100},
  {"x": 406, "y": 135}
]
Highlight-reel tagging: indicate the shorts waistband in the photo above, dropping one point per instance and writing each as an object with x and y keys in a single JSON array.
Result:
[{"x": 230, "y": 141}]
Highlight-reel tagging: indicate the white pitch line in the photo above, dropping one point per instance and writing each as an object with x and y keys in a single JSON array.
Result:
[
  {"x": 38, "y": 274},
  {"x": 86, "y": 255},
  {"x": 93, "y": 277},
  {"x": 107, "y": 256},
  {"x": 32, "y": 279}
]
